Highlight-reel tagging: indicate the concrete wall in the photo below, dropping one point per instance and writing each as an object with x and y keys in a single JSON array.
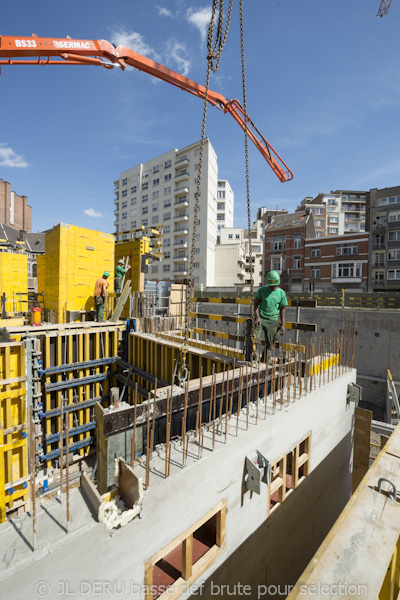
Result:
[
  {"x": 377, "y": 345},
  {"x": 257, "y": 551}
]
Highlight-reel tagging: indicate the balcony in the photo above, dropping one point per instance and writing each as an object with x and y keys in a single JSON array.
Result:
[
  {"x": 183, "y": 189},
  {"x": 181, "y": 231},
  {"x": 181, "y": 176},
  {"x": 181, "y": 203},
  {"x": 378, "y": 245},
  {"x": 379, "y": 225},
  {"x": 181, "y": 162},
  {"x": 180, "y": 272},
  {"x": 378, "y": 263},
  {"x": 181, "y": 218},
  {"x": 394, "y": 224},
  {"x": 181, "y": 245},
  {"x": 180, "y": 258}
]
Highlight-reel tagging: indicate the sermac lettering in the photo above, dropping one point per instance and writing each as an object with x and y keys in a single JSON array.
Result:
[{"x": 76, "y": 45}]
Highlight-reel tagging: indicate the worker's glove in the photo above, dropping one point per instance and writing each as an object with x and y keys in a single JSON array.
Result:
[{"x": 281, "y": 330}]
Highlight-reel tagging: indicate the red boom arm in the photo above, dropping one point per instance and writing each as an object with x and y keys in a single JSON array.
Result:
[{"x": 18, "y": 50}]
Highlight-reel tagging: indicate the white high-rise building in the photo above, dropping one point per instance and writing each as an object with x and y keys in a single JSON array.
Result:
[{"x": 162, "y": 191}]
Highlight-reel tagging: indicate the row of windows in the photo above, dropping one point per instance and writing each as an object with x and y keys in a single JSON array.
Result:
[
  {"x": 390, "y": 200},
  {"x": 340, "y": 270}
]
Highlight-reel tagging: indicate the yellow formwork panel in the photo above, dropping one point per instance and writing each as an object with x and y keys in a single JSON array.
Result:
[
  {"x": 13, "y": 425},
  {"x": 134, "y": 250},
  {"x": 13, "y": 277},
  {"x": 75, "y": 257}
]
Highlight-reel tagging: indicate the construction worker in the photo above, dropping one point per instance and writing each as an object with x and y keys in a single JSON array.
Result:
[
  {"x": 120, "y": 271},
  {"x": 269, "y": 303},
  {"x": 100, "y": 293}
]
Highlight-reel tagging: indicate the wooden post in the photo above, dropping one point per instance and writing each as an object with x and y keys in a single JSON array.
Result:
[{"x": 67, "y": 466}]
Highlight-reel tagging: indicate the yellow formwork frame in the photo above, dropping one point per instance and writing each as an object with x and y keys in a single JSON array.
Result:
[{"x": 13, "y": 428}]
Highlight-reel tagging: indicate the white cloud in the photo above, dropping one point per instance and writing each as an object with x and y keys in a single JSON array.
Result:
[
  {"x": 9, "y": 158},
  {"x": 164, "y": 12},
  {"x": 200, "y": 19},
  {"x": 176, "y": 50},
  {"x": 90, "y": 212},
  {"x": 135, "y": 41}
]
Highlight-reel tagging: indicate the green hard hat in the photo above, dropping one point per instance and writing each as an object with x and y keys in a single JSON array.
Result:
[
  {"x": 273, "y": 278},
  {"x": 106, "y": 274}
]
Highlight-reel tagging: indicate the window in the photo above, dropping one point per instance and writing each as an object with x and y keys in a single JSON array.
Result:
[
  {"x": 156, "y": 181},
  {"x": 133, "y": 201},
  {"x": 167, "y": 254},
  {"x": 154, "y": 219},
  {"x": 167, "y": 164},
  {"x": 316, "y": 252},
  {"x": 167, "y": 229},
  {"x": 196, "y": 167},
  {"x": 331, "y": 202},
  {"x": 145, "y": 210},
  {"x": 197, "y": 236},
  {"x": 133, "y": 212},
  {"x": 167, "y": 242},
  {"x": 319, "y": 223},
  {"x": 197, "y": 152},
  {"x": 133, "y": 189},
  {"x": 124, "y": 181},
  {"x": 156, "y": 169},
  {"x": 166, "y": 268},
  {"x": 145, "y": 222},
  {"x": 333, "y": 230},
  {"x": 319, "y": 211},
  {"x": 297, "y": 242},
  {"x": 334, "y": 219},
  {"x": 155, "y": 195},
  {"x": 230, "y": 236},
  {"x": 124, "y": 204},
  {"x": 394, "y": 236},
  {"x": 220, "y": 217},
  {"x": 155, "y": 207},
  {"x": 221, "y": 195},
  {"x": 124, "y": 215},
  {"x": 167, "y": 190},
  {"x": 167, "y": 216},
  {"x": 394, "y": 255},
  {"x": 145, "y": 197},
  {"x": 196, "y": 265},
  {"x": 221, "y": 205},
  {"x": 276, "y": 264},
  {"x": 197, "y": 250},
  {"x": 391, "y": 200},
  {"x": 277, "y": 244},
  {"x": 167, "y": 203},
  {"x": 167, "y": 177},
  {"x": 346, "y": 249},
  {"x": 393, "y": 274},
  {"x": 125, "y": 193},
  {"x": 343, "y": 270},
  {"x": 145, "y": 185},
  {"x": 296, "y": 263},
  {"x": 318, "y": 234},
  {"x": 237, "y": 236},
  {"x": 393, "y": 216},
  {"x": 315, "y": 273},
  {"x": 288, "y": 473},
  {"x": 133, "y": 224}
]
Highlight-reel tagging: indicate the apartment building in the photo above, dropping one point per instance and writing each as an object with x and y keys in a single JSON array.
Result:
[
  {"x": 162, "y": 191},
  {"x": 336, "y": 263},
  {"x": 384, "y": 254},
  {"x": 14, "y": 210},
  {"x": 284, "y": 245},
  {"x": 232, "y": 257},
  {"x": 339, "y": 212}
]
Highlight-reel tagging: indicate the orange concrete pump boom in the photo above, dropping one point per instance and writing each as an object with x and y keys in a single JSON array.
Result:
[{"x": 59, "y": 51}]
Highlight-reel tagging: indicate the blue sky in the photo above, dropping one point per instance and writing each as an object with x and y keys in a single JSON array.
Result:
[{"x": 323, "y": 86}]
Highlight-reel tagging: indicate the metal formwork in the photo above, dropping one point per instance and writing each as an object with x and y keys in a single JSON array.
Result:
[{"x": 14, "y": 473}]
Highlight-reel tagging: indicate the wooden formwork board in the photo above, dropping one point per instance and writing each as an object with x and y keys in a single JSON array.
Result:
[
  {"x": 66, "y": 356},
  {"x": 13, "y": 428}
]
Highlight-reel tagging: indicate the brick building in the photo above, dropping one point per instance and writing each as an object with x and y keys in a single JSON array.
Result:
[
  {"x": 284, "y": 246},
  {"x": 336, "y": 263},
  {"x": 14, "y": 210}
]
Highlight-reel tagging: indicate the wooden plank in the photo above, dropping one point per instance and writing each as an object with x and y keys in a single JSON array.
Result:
[
  {"x": 362, "y": 438},
  {"x": 187, "y": 556}
]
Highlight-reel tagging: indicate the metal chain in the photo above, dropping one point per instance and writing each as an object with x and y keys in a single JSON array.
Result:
[
  {"x": 213, "y": 58},
  {"x": 247, "y": 167}
]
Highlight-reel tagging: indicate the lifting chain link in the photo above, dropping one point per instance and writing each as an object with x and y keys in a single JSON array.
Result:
[
  {"x": 253, "y": 315},
  {"x": 213, "y": 57}
]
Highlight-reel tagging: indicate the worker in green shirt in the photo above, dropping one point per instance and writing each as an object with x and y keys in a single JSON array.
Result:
[
  {"x": 120, "y": 271},
  {"x": 269, "y": 303}
]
